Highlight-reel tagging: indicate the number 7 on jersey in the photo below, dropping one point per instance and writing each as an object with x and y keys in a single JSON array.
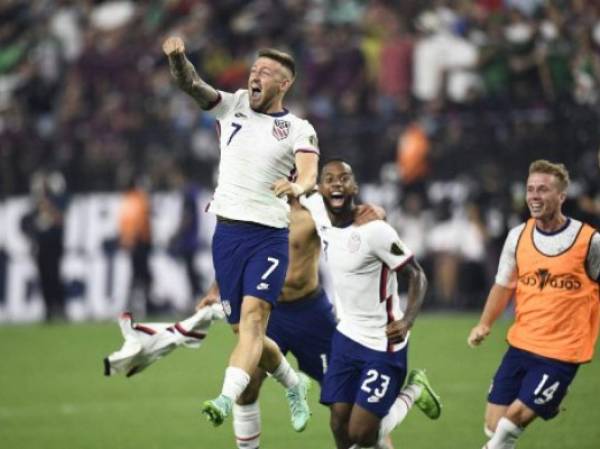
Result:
[{"x": 236, "y": 128}]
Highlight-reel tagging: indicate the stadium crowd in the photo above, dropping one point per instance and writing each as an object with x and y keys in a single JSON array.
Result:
[{"x": 439, "y": 105}]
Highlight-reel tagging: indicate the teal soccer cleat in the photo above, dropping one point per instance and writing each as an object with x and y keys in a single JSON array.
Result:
[
  {"x": 299, "y": 409},
  {"x": 217, "y": 410}
]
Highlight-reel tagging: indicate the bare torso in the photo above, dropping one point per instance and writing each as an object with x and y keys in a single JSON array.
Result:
[{"x": 302, "y": 277}]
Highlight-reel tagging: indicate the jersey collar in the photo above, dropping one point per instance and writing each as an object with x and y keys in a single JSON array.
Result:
[
  {"x": 558, "y": 231},
  {"x": 278, "y": 114}
]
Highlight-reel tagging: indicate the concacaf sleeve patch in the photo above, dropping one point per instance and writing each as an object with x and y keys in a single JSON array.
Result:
[{"x": 397, "y": 249}]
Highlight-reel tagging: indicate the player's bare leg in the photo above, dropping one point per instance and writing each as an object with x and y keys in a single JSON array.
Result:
[
  {"x": 338, "y": 421},
  {"x": 508, "y": 427},
  {"x": 244, "y": 358},
  {"x": 251, "y": 334},
  {"x": 520, "y": 414},
  {"x": 363, "y": 427},
  {"x": 493, "y": 413}
]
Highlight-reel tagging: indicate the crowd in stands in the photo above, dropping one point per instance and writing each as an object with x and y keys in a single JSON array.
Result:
[{"x": 440, "y": 105}]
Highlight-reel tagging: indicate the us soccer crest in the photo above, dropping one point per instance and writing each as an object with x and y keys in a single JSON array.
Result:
[{"x": 281, "y": 129}]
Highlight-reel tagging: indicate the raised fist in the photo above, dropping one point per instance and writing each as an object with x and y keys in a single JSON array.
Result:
[{"x": 173, "y": 46}]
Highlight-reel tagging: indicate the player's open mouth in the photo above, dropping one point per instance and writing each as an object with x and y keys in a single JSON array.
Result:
[
  {"x": 255, "y": 92},
  {"x": 336, "y": 199},
  {"x": 536, "y": 207}
]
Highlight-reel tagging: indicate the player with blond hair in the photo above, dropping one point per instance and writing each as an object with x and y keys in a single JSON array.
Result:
[{"x": 551, "y": 265}]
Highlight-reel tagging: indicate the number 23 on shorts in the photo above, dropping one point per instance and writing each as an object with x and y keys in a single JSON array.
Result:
[{"x": 375, "y": 384}]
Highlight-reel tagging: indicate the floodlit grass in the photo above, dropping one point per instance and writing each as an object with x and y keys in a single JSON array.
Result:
[{"x": 53, "y": 394}]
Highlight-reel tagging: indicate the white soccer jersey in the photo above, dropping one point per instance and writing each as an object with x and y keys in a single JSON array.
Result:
[
  {"x": 315, "y": 205},
  {"x": 363, "y": 260},
  {"x": 256, "y": 150},
  {"x": 548, "y": 243}
]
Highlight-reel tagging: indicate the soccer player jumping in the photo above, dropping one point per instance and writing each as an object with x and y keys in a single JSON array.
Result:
[{"x": 262, "y": 146}]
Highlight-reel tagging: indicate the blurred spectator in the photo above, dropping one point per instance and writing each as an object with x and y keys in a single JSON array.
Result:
[
  {"x": 445, "y": 62},
  {"x": 412, "y": 155},
  {"x": 136, "y": 238},
  {"x": 428, "y": 69},
  {"x": 413, "y": 222},
  {"x": 395, "y": 73},
  {"x": 554, "y": 53},
  {"x": 185, "y": 243},
  {"x": 586, "y": 70},
  {"x": 44, "y": 225},
  {"x": 527, "y": 7},
  {"x": 457, "y": 242},
  {"x": 494, "y": 64},
  {"x": 520, "y": 35}
]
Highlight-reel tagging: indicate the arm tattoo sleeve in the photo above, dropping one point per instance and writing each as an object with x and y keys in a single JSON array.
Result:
[{"x": 188, "y": 80}]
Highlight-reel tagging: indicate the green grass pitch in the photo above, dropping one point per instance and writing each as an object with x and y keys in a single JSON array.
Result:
[{"x": 53, "y": 394}]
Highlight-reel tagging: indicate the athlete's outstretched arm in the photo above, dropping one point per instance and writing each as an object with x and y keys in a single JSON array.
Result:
[
  {"x": 186, "y": 76},
  {"x": 417, "y": 285},
  {"x": 307, "y": 166},
  {"x": 496, "y": 303}
]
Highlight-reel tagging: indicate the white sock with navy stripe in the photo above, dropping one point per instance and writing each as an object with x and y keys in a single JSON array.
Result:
[
  {"x": 398, "y": 410},
  {"x": 246, "y": 425}
]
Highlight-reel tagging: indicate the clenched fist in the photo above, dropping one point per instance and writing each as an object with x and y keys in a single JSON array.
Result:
[
  {"x": 478, "y": 334},
  {"x": 173, "y": 46}
]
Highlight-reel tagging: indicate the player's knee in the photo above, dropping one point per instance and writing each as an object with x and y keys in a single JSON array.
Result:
[
  {"x": 252, "y": 306},
  {"x": 252, "y": 324},
  {"x": 520, "y": 415},
  {"x": 363, "y": 436}
]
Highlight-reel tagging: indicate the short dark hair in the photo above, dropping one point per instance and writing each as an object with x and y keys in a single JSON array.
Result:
[
  {"x": 336, "y": 160},
  {"x": 281, "y": 57}
]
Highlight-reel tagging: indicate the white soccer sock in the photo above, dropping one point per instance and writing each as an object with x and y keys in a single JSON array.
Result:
[
  {"x": 246, "y": 425},
  {"x": 399, "y": 410},
  {"x": 285, "y": 374},
  {"x": 236, "y": 381},
  {"x": 506, "y": 435}
]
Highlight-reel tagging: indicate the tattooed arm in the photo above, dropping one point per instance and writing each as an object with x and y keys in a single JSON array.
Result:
[{"x": 185, "y": 74}]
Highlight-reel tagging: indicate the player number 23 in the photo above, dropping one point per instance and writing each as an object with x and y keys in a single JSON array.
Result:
[{"x": 372, "y": 376}]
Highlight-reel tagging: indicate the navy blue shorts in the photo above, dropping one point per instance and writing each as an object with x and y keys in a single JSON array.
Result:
[
  {"x": 305, "y": 327},
  {"x": 249, "y": 260},
  {"x": 538, "y": 382},
  {"x": 359, "y": 375}
]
